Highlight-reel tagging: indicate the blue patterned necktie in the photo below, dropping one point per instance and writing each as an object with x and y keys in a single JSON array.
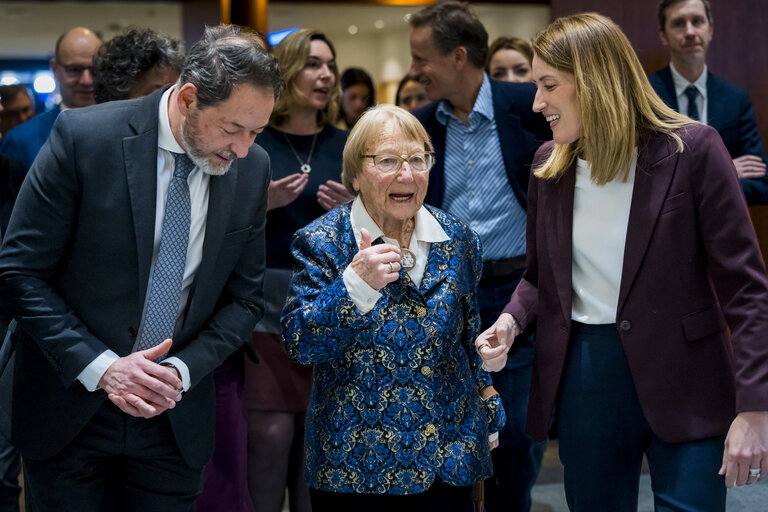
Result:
[
  {"x": 693, "y": 109},
  {"x": 168, "y": 273}
]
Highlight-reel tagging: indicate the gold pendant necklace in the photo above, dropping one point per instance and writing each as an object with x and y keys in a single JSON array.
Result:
[{"x": 305, "y": 167}]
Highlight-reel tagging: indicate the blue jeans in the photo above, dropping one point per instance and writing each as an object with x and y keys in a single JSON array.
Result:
[
  {"x": 603, "y": 435},
  {"x": 517, "y": 460},
  {"x": 9, "y": 476}
]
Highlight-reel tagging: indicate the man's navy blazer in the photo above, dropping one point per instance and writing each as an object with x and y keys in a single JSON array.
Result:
[
  {"x": 23, "y": 143},
  {"x": 521, "y": 132},
  {"x": 730, "y": 112},
  {"x": 75, "y": 266}
]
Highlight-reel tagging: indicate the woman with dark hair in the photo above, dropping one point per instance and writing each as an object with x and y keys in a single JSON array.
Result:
[
  {"x": 306, "y": 157},
  {"x": 646, "y": 285},
  {"x": 411, "y": 94},
  {"x": 134, "y": 64},
  {"x": 357, "y": 95},
  {"x": 509, "y": 60}
]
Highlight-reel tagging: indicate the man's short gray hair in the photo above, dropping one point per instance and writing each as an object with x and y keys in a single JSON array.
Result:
[{"x": 225, "y": 57}]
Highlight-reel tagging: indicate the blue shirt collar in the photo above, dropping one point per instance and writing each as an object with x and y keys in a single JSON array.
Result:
[{"x": 483, "y": 105}]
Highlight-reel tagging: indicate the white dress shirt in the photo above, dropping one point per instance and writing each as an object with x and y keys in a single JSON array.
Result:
[
  {"x": 426, "y": 231},
  {"x": 600, "y": 220},
  {"x": 681, "y": 84},
  {"x": 198, "y": 192}
]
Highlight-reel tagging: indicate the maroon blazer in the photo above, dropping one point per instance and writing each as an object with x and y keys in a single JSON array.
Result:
[{"x": 692, "y": 271}]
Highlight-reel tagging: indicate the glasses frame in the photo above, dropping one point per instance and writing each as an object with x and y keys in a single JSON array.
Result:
[{"x": 401, "y": 160}]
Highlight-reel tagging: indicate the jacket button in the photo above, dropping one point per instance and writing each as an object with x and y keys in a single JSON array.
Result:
[
  {"x": 132, "y": 331},
  {"x": 430, "y": 429},
  {"x": 625, "y": 325},
  {"x": 426, "y": 371}
]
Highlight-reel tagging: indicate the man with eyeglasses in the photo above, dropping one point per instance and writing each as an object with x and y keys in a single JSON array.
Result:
[
  {"x": 72, "y": 66},
  {"x": 485, "y": 135}
]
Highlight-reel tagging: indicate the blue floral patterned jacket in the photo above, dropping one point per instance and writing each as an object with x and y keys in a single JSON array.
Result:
[{"x": 396, "y": 391}]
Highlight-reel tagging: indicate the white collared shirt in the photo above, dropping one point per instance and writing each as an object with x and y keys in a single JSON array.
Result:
[
  {"x": 681, "y": 84},
  {"x": 198, "y": 183},
  {"x": 426, "y": 231},
  {"x": 600, "y": 220}
]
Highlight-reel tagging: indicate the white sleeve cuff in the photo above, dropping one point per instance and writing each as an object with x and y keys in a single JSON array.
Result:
[
  {"x": 91, "y": 374},
  {"x": 183, "y": 371},
  {"x": 359, "y": 291},
  {"x": 493, "y": 437}
]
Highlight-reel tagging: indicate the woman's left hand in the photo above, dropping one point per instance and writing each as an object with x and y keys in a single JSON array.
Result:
[
  {"x": 745, "y": 458},
  {"x": 332, "y": 194}
]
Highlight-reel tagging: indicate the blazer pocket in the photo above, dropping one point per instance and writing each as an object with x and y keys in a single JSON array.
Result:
[
  {"x": 674, "y": 202},
  {"x": 236, "y": 237},
  {"x": 703, "y": 323}
]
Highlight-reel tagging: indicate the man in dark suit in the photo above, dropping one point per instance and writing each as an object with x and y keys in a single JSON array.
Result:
[
  {"x": 72, "y": 67},
  {"x": 686, "y": 28},
  {"x": 485, "y": 135},
  {"x": 139, "y": 232}
]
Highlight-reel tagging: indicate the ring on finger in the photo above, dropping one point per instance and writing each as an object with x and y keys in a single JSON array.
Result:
[
  {"x": 390, "y": 268},
  {"x": 481, "y": 346},
  {"x": 755, "y": 472}
]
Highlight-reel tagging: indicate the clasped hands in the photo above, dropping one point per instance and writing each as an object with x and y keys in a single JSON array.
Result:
[
  {"x": 494, "y": 343},
  {"x": 141, "y": 387},
  {"x": 284, "y": 191}
]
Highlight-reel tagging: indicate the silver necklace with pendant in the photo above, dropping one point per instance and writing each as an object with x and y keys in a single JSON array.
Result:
[
  {"x": 407, "y": 259},
  {"x": 305, "y": 167}
]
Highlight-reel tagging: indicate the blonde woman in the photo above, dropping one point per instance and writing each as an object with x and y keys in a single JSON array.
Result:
[
  {"x": 306, "y": 157},
  {"x": 646, "y": 285}
]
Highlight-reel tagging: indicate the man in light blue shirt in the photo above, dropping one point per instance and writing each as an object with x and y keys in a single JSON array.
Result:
[{"x": 485, "y": 135}]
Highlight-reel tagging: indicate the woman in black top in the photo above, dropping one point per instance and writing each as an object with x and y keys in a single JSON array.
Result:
[{"x": 306, "y": 155}]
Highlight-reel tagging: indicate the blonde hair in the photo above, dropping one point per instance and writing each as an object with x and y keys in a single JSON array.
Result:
[
  {"x": 368, "y": 131},
  {"x": 292, "y": 54},
  {"x": 616, "y": 102}
]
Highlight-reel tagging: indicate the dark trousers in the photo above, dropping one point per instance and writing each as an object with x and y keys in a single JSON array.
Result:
[
  {"x": 9, "y": 476},
  {"x": 225, "y": 484},
  {"x": 603, "y": 435},
  {"x": 517, "y": 460},
  {"x": 117, "y": 463},
  {"x": 440, "y": 497}
]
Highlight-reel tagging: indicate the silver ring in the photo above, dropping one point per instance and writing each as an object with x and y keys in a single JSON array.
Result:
[
  {"x": 755, "y": 472},
  {"x": 390, "y": 267}
]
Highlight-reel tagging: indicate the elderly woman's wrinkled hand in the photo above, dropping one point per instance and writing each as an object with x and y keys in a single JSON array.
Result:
[
  {"x": 494, "y": 343},
  {"x": 377, "y": 265}
]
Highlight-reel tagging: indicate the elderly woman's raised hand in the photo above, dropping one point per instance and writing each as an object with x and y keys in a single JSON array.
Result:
[
  {"x": 378, "y": 264},
  {"x": 494, "y": 343}
]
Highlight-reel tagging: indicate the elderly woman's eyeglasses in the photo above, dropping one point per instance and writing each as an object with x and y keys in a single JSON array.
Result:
[{"x": 417, "y": 162}]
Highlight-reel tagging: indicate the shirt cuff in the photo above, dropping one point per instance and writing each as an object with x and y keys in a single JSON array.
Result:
[
  {"x": 361, "y": 293},
  {"x": 92, "y": 374},
  {"x": 183, "y": 371},
  {"x": 493, "y": 437}
]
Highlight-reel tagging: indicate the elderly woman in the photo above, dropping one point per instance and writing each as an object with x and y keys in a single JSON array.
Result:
[
  {"x": 646, "y": 285},
  {"x": 383, "y": 302}
]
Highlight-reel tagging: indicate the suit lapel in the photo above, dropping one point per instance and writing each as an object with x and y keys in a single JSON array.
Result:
[
  {"x": 652, "y": 180},
  {"x": 715, "y": 109},
  {"x": 557, "y": 207},
  {"x": 140, "y": 155},
  {"x": 668, "y": 93},
  {"x": 437, "y": 267}
]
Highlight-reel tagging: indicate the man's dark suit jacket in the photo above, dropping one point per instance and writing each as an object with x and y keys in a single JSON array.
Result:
[
  {"x": 75, "y": 267},
  {"x": 23, "y": 143},
  {"x": 730, "y": 113},
  {"x": 521, "y": 132},
  {"x": 692, "y": 272}
]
